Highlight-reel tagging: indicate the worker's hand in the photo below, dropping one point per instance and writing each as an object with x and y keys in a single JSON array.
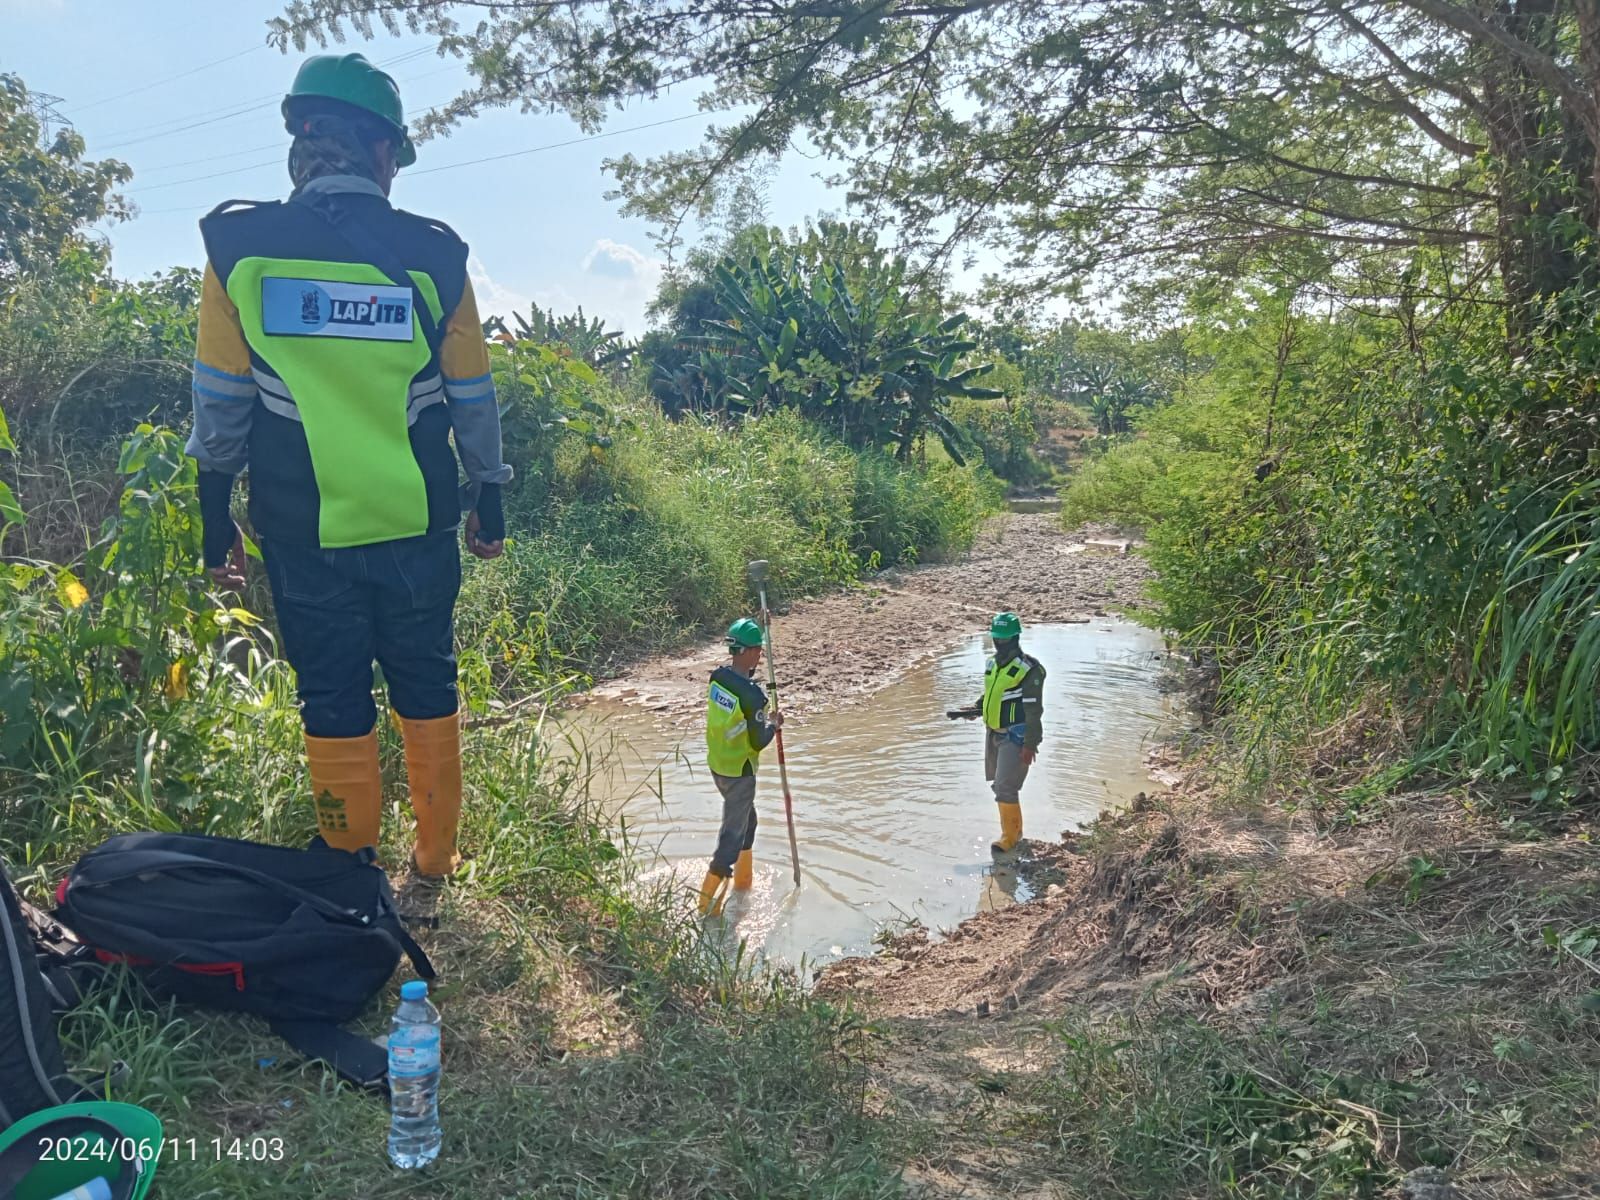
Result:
[
  {"x": 231, "y": 573},
  {"x": 775, "y": 719},
  {"x": 476, "y": 546},
  {"x": 1029, "y": 753}
]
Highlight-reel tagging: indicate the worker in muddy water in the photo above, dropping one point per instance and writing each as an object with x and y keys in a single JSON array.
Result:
[
  {"x": 1012, "y": 708},
  {"x": 738, "y": 729}
]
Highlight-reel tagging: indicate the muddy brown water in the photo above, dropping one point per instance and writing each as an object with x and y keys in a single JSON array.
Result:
[{"x": 892, "y": 813}]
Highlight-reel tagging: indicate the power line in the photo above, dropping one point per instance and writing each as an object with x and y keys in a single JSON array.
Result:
[
  {"x": 593, "y": 137},
  {"x": 470, "y": 162},
  {"x": 240, "y": 170},
  {"x": 207, "y": 158},
  {"x": 214, "y": 175},
  {"x": 171, "y": 78},
  {"x": 148, "y": 132}
]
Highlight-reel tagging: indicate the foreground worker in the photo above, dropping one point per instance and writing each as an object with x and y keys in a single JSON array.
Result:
[
  {"x": 339, "y": 349},
  {"x": 738, "y": 729},
  {"x": 1012, "y": 709}
]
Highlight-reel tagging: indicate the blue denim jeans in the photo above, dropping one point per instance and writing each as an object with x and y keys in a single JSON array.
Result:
[{"x": 341, "y": 610}]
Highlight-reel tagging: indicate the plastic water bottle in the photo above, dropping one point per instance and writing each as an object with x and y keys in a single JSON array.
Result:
[{"x": 414, "y": 1133}]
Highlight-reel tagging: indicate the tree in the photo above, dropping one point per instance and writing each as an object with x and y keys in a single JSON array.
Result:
[
  {"x": 49, "y": 195},
  {"x": 1320, "y": 136},
  {"x": 848, "y": 348}
]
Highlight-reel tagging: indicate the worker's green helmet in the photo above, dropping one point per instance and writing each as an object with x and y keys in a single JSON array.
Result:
[
  {"x": 117, "y": 1142},
  {"x": 1005, "y": 627},
  {"x": 744, "y": 634},
  {"x": 339, "y": 83}
]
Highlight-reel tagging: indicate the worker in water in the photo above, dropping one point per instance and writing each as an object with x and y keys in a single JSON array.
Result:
[
  {"x": 738, "y": 729},
  {"x": 340, "y": 355},
  {"x": 1012, "y": 708}
]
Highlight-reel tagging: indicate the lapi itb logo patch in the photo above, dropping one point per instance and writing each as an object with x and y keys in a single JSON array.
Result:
[{"x": 323, "y": 308}]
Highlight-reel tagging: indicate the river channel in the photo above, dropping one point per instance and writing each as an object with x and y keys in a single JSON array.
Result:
[{"x": 892, "y": 813}]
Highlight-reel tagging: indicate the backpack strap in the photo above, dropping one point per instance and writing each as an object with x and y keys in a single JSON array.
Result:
[
  {"x": 414, "y": 952},
  {"x": 19, "y": 1158},
  {"x": 374, "y": 253},
  {"x": 171, "y": 860},
  {"x": 356, "y": 1059}
]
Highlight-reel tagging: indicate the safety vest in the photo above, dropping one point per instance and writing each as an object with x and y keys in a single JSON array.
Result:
[
  {"x": 728, "y": 746},
  {"x": 350, "y": 444},
  {"x": 1002, "y": 693}
]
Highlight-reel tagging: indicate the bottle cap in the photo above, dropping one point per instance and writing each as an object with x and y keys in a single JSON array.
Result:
[{"x": 414, "y": 989}]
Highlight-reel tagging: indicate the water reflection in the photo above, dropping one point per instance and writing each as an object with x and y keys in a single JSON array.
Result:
[{"x": 893, "y": 816}]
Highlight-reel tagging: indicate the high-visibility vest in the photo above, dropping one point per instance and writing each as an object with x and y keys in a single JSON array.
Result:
[
  {"x": 350, "y": 444},
  {"x": 728, "y": 746},
  {"x": 1002, "y": 693}
]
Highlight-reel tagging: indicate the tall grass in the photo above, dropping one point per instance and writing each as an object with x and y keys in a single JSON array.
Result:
[
  {"x": 1536, "y": 662},
  {"x": 599, "y": 1042},
  {"x": 646, "y": 542},
  {"x": 1410, "y": 570}
]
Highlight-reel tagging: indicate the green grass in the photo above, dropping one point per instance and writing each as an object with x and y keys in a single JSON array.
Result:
[
  {"x": 598, "y": 1042},
  {"x": 645, "y": 543}
]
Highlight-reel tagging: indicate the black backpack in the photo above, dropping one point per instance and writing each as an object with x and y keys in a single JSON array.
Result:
[
  {"x": 304, "y": 938},
  {"x": 33, "y": 1074}
]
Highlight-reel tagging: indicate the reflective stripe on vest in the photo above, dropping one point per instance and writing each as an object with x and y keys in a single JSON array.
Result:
[
  {"x": 1001, "y": 690},
  {"x": 347, "y": 357},
  {"x": 728, "y": 746}
]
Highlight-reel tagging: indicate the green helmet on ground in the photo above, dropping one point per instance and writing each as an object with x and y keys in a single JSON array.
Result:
[
  {"x": 335, "y": 82},
  {"x": 1005, "y": 627},
  {"x": 744, "y": 634},
  {"x": 120, "y": 1143}
]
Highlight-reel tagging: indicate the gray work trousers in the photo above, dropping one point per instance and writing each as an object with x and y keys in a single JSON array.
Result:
[
  {"x": 738, "y": 831},
  {"x": 1003, "y": 767}
]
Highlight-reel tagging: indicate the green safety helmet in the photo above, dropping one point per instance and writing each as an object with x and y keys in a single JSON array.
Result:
[
  {"x": 1005, "y": 627},
  {"x": 120, "y": 1143},
  {"x": 331, "y": 82},
  {"x": 744, "y": 634}
]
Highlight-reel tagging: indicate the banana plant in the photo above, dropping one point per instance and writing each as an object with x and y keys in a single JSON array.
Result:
[{"x": 850, "y": 351}]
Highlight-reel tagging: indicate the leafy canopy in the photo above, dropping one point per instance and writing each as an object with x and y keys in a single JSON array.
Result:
[
  {"x": 49, "y": 195},
  {"x": 1317, "y": 136}
]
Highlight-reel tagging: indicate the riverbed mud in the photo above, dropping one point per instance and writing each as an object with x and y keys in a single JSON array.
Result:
[
  {"x": 1413, "y": 946},
  {"x": 835, "y": 650}
]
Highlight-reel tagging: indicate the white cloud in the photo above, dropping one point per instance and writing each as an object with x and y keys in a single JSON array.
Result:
[
  {"x": 618, "y": 260},
  {"x": 613, "y": 281},
  {"x": 495, "y": 299},
  {"x": 619, "y": 281}
]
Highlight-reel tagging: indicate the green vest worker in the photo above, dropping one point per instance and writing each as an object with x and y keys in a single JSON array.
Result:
[
  {"x": 1013, "y": 718},
  {"x": 340, "y": 355},
  {"x": 737, "y": 730}
]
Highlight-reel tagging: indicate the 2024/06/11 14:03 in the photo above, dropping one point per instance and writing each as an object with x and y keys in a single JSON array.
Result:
[{"x": 86, "y": 1149}]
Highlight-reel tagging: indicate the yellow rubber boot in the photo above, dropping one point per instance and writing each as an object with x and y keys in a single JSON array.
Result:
[
  {"x": 433, "y": 770},
  {"x": 347, "y": 788},
  {"x": 1010, "y": 828},
  {"x": 710, "y": 903},
  {"x": 744, "y": 871}
]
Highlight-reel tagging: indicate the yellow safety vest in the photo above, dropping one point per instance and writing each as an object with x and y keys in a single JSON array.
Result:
[
  {"x": 1002, "y": 693},
  {"x": 728, "y": 746}
]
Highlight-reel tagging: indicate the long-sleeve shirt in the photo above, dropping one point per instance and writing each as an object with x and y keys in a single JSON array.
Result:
[
  {"x": 752, "y": 706},
  {"x": 1027, "y": 709},
  {"x": 333, "y": 458}
]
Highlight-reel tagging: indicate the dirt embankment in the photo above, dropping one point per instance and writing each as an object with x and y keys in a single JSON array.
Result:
[
  {"x": 1415, "y": 991},
  {"x": 834, "y": 650}
]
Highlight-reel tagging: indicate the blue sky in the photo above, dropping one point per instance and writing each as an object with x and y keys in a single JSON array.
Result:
[{"x": 538, "y": 223}]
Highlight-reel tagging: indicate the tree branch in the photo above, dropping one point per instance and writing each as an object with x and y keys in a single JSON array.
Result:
[
  {"x": 1537, "y": 63},
  {"x": 1399, "y": 63}
]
